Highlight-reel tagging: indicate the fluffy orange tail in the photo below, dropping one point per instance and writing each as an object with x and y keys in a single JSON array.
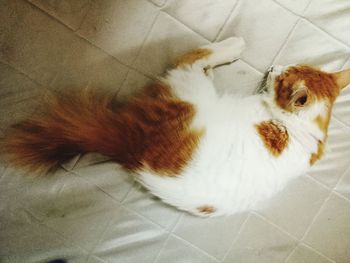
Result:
[
  {"x": 71, "y": 124},
  {"x": 152, "y": 128}
]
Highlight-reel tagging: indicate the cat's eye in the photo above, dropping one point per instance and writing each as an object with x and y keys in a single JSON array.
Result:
[{"x": 301, "y": 101}]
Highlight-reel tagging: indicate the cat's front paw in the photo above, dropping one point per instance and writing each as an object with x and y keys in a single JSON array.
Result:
[{"x": 234, "y": 47}]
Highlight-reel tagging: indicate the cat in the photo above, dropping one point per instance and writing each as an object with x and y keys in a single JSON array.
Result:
[{"x": 203, "y": 153}]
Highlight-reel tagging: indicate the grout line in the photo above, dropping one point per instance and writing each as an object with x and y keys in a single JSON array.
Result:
[
  {"x": 275, "y": 225},
  {"x": 237, "y": 236},
  {"x": 343, "y": 124},
  {"x": 168, "y": 237},
  {"x": 306, "y": 8},
  {"x": 92, "y": 44},
  {"x": 326, "y": 32},
  {"x": 90, "y": 183},
  {"x": 317, "y": 252},
  {"x": 346, "y": 61},
  {"x": 288, "y": 37},
  {"x": 23, "y": 73},
  {"x": 84, "y": 17},
  {"x": 233, "y": 9},
  {"x": 291, "y": 253},
  {"x": 195, "y": 247},
  {"x": 150, "y": 221},
  {"x": 101, "y": 237},
  {"x": 186, "y": 26},
  {"x": 147, "y": 36},
  {"x": 315, "y": 217},
  {"x": 251, "y": 66},
  {"x": 310, "y": 22},
  {"x": 158, "y": 6}
]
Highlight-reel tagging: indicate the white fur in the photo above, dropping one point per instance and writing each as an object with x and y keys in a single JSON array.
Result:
[{"x": 231, "y": 169}]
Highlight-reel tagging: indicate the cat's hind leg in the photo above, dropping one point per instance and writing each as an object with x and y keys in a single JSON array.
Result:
[
  {"x": 191, "y": 78},
  {"x": 214, "y": 54}
]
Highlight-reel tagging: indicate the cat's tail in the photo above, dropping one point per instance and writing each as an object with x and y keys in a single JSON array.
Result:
[{"x": 72, "y": 124}]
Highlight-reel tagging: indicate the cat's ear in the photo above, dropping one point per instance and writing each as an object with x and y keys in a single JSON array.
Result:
[{"x": 342, "y": 78}]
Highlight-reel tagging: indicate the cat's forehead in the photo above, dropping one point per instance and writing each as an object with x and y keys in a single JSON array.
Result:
[{"x": 317, "y": 84}]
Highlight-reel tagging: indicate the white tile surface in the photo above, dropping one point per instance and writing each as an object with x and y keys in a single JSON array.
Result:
[
  {"x": 95, "y": 212},
  {"x": 260, "y": 241},
  {"x": 205, "y": 17},
  {"x": 119, "y": 27},
  {"x": 144, "y": 203},
  {"x": 19, "y": 96},
  {"x": 222, "y": 232},
  {"x": 71, "y": 13},
  {"x": 303, "y": 254},
  {"x": 265, "y": 29},
  {"x": 133, "y": 83},
  {"x": 331, "y": 16},
  {"x": 297, "y": 7},
  {"x": 332, "y": 225},
  {"x": 176, "y": 250},
  {"x": 168, "y": 39},
  {"x": 336, "y": 159},
  {"x": 300, "y": 48},
  {"x": 294, "y": 208},
  {"x": 130, "y": 238},
  {"x": 108, "y": 177}
]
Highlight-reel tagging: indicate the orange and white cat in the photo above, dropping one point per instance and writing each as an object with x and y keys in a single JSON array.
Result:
[{"x": 207, "y": 154}]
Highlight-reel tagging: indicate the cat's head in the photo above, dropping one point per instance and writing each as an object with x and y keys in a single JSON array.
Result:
[{"x": 304, "y": 90}]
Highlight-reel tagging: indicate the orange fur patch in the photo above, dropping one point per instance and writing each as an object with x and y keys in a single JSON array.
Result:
[
  {"x": 150, "y": 130},
  {"x": 275, "y": 137},
  {"x": 322, "y": 123},
  {"x": 317, "y": 156},
  {"x": 206, "y": 209},
  {"x": 320, "y": 85},
  {"x": 193, "y": 56}
]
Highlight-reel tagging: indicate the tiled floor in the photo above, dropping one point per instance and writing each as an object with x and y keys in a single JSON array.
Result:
[{"x": 90, "y": 211}]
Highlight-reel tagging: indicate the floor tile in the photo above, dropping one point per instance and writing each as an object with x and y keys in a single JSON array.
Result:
[
  {"x": 167, "y": 40},
  {"x": 69, "y": 62},
  {"x": 303, "y": 254},
  {"x": 109, "y": 177},
  {"x": 119, "y": 27},
  {"x": 222, "y": 231},
  {"x": 158, "y": 2},
  {"x": 62, "y": 195},
  {"x": 301, "y": 49},
  {"x": 264, "y": 28},
  {"x": 260, "y": 242},
  {"x": 131, "y": 238},
  {"x": 19, "y": 96},
  {"x": 94, "y": 259},
  {"x": 336, "y": 158},
  {"x": 176, "y": 251},
  {"x": 134, "y": 83},
  {"x": 332, "y": 225},
  {"x": 71, "y": 13},
  {"x": 343, "y": 185},
  {"x": 205, "y": 17},
  {"x": 25, "y": 240},
  {"x": 332, "y": 16},
  {"x": 294, "y": 207},
  {"x": 146, "y": 204},
  {"x": 295, "y": 6}
]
